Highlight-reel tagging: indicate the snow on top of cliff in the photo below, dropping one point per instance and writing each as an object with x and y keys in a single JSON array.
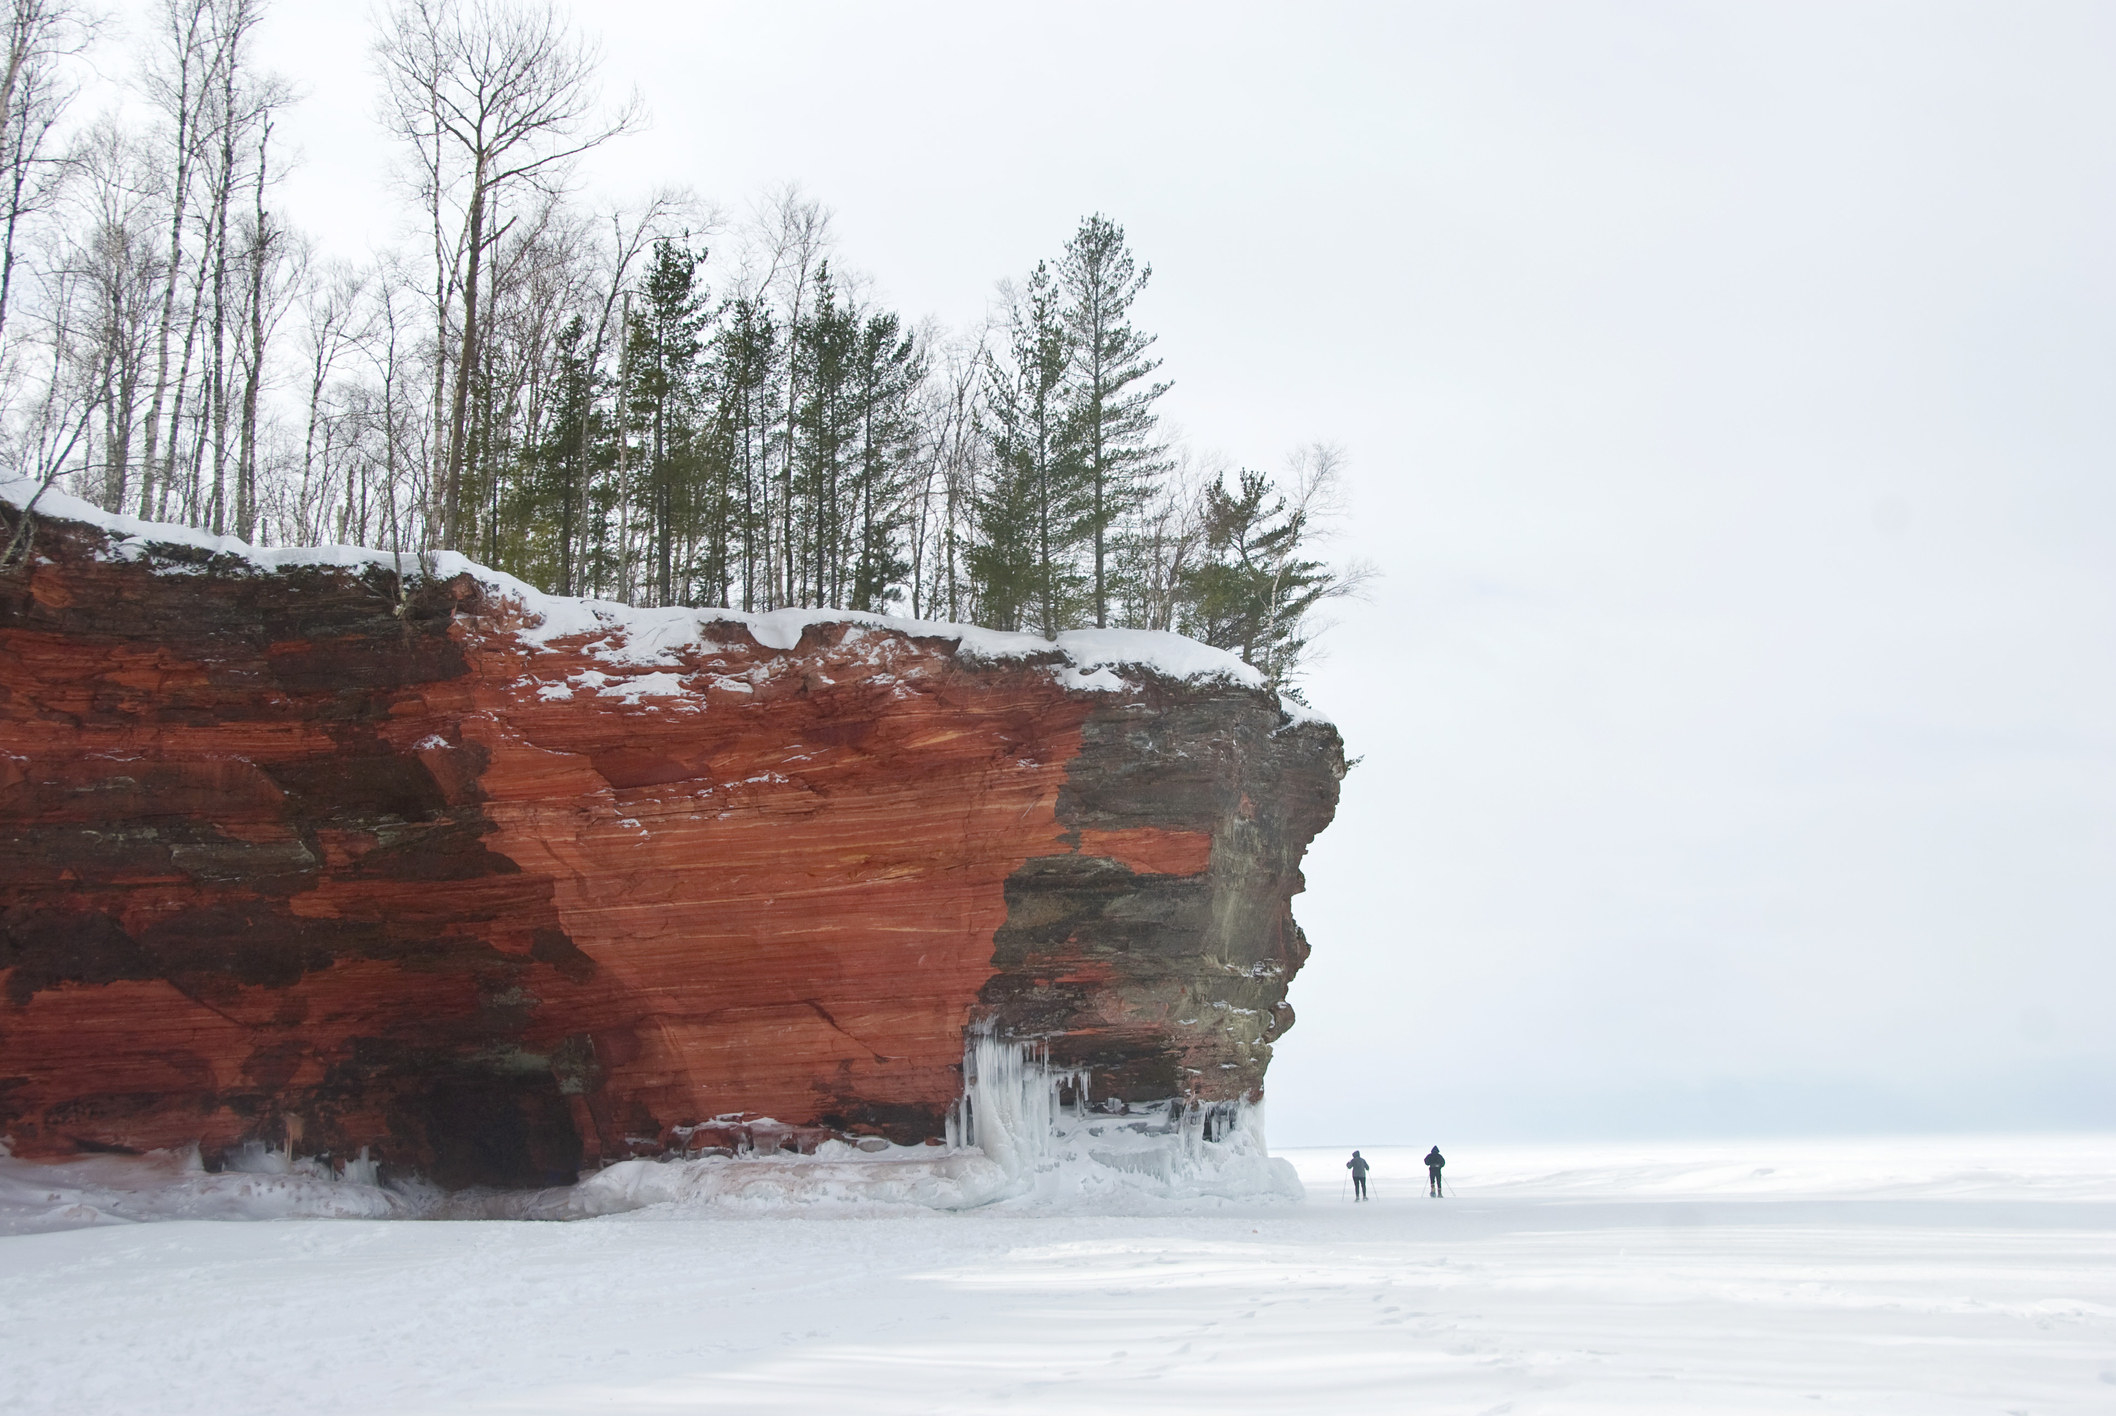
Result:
[
  {"x": 649, "y": 638},
  {"x": 135, "y": 537},
  {"x": 656, "y": 637}
]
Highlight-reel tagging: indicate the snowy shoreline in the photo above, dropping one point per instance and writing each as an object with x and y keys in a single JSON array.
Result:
[
  {"x": 1011, "y": 1144},
  {"x": 1142, "y": 1164},
  {"x": 1147, "y": 1162}
]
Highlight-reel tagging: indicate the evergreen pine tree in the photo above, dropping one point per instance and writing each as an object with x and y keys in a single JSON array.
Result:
[
  {"x": 746, "y": 354},
  {"x": 888, "y": 370},
  {"x": 661, "y": 398},
  {"x": 571, "y": 452},
  {"x": 1036, "y": 470},
  {"x": 1002, "y": 563},
  {"x": 826, "y": 425},
  {"x": 1258, "y": 585},
  {"x": 1109, "y": 401}
]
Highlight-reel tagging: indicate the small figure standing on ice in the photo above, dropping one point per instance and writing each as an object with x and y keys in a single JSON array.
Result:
[
  {"x": 1358, "y": 1166},
  {"x": 1433, "y": 1161}
]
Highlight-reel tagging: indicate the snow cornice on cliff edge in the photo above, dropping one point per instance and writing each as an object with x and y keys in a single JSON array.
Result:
[{"x": 632, "y": 637}]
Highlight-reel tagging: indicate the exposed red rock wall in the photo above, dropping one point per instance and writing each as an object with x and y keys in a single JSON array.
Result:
[{"x": 277, "y": 860}]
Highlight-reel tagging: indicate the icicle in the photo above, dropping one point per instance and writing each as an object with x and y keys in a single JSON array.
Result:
[
  {"x": 362, "y": 1171},
  {"x": 1014, "y": 1109},
  {"x": 1010, "y": 1106}
]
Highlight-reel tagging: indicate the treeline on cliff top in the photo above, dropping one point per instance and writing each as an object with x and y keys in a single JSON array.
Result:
[{"x": 638, "y": 402}]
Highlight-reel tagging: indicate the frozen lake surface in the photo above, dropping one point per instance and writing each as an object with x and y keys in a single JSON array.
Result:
[{"x": 1928, "y": 1276}]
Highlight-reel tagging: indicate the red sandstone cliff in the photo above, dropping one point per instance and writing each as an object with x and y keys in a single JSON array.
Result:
[{"x": 499, "y": 886}]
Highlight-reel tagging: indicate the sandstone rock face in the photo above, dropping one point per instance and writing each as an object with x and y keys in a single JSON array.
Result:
[{"x": 299, "y": 856}]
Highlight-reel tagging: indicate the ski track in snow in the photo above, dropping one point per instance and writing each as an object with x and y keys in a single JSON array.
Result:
[{"x": 1931, "y": 1276}]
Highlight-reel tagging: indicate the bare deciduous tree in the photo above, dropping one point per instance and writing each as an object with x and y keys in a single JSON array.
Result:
[
  {"x": 178, "y": 82},
  {"x": 34, "y": 95},
  {"x": 112, "y": 249},
  {"x": 489, "y": 96}
]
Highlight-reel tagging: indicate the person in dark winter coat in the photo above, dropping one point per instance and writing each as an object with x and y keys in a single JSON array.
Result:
[
  {"x": 1433, "y": 1161},
  {"x": 1359, "y": 1167}
]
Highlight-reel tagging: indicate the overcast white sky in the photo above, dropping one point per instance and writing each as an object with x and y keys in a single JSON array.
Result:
[{"x": 1728, "y": 393}]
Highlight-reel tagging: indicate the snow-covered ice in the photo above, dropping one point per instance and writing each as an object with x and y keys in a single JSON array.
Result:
[{"x": 1931, "y": 1276}]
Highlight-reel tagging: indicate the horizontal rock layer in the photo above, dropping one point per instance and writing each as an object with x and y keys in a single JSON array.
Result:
[{"x": 325, "y": 859}]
